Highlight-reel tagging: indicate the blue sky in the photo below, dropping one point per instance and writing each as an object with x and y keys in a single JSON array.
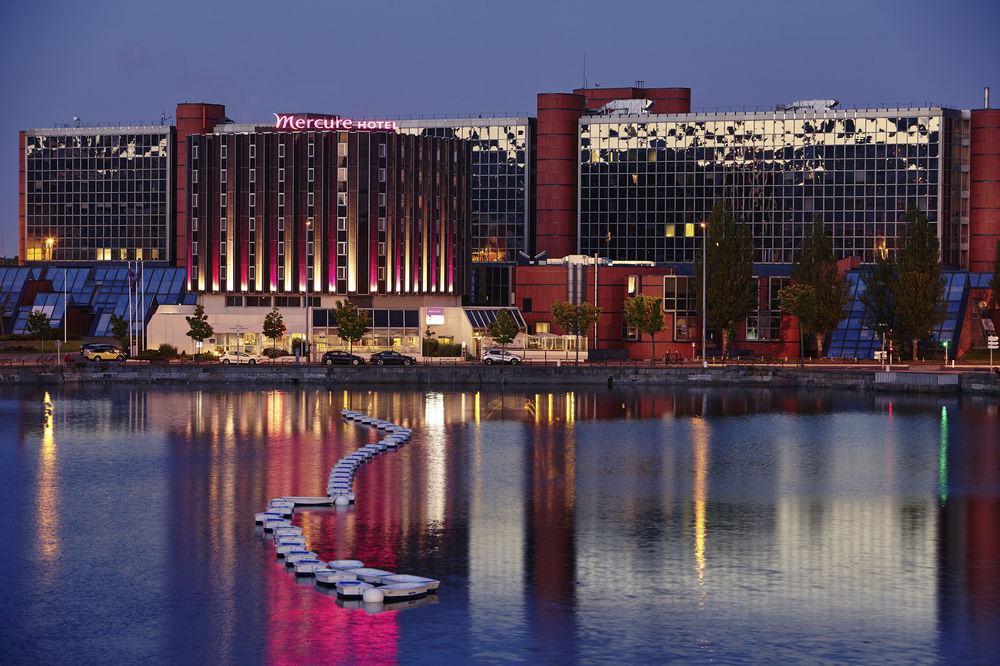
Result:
[{"x": 108, "y": 61}]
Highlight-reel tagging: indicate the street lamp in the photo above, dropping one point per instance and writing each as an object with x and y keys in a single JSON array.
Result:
[{"x": 704, "y": 290}]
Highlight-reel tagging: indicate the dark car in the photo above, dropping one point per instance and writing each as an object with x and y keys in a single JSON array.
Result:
[
  {"x": 341, "y": 358},
  {"x": 391, "y": 358}
]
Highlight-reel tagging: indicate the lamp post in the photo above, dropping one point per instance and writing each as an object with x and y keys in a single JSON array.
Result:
[{"x": 704, "y": 290}]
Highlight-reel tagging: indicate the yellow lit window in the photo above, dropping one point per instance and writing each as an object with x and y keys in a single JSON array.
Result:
[
  {"x": 670, "y": 231},
  {"x": 689, "y": 230}
]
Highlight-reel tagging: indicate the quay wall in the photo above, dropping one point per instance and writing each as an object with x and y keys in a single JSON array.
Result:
[{"x": 871, "y": 379}]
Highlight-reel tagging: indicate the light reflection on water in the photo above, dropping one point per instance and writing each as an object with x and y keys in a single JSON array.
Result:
[{"x": 592, "y": 526}]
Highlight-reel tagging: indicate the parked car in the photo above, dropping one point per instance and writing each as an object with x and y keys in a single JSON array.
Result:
[
  {"x": 341, "y": 358},
  {"x": 500, "y": 356},
  {"x": 103, "y": 352},
  {"x": 84, "y": 346},
  {"x": 238, "y": 357},
  {"x": 391, "y": 358}
]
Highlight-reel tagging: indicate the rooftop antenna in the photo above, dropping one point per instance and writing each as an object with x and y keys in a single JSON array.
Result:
[
  {"x": 584, "y": 70},
  {"x": 163, "y": 117},
  {"x": 986, "y": 97}
]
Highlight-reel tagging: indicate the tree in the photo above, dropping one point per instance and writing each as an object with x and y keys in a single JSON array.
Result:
[
  {"x": 503, "y": 329},
  {"x": 918, "y": 285},
  {"x": 995, "y": 282},
  {"x": 352, "y": 323},
  {"x": 199, "y": 329},
  {"x": 644, "y": 313},
  {"x": 119, "y": 329},
  {"x": 274, "y": 326},
  {"x": 730, "y": 295},
  {"x": 816, "y": 267},
  {"x": 880, "y": 305},
  {"x": 575, "y": 319},
  {"x": 800, "y": 300},
  {"x": 38, "y": 326}
]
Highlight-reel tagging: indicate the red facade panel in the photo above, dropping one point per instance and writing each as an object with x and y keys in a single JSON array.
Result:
[
  {"x": 190, "y": 119},
  {"x": 556, "y": 136},
  {"x": 984, "y": 189}
]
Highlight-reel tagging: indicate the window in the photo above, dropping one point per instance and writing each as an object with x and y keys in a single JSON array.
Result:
[
  {"x": 253, "y": 199},
  {"x": 222, "y": 199},
  {"x": 381, "y": 199},
  {"x": 342, "y": 149},
  {"x": 223, "y": 149},
  {"x": 224, "y": 175},
  {"x": 194, "y": 200},
  {"x": 381, "y": 224},
  {"x": 381, "y": 249},
  {"x": 341, "y": 248},
  {"x": 381, "y": 273},
  {"x": 194, "y": 151},
  {"x": 381, "y": 150},
  {"x": 311, "y": 149},
  {"x": 194, "y": 176},
  {"x": 253, "y": 151},
  {"x": 253, "y": 224},
  {"x": 194, "y": 247},
  {"x": 310, "y": 174},
  {"x": 281, "y": 247},
  {"x": 281, "y": 224},
  {"x": 341, "y": 224},
  {"x": 342, "y": 175},
  {"x": 310, "y": 199},
  {"x": 309, "y": 248},
  {"x": 222, "y": 248},
  {"x": 341, "y": 273},
  {"x": 234, "y": 301},
  {"x": 253, "y": 176},
  {"x": 281, "y": 153},
  {"x": 541, "y": 327},
  {"x": 252, "y": 272},
  {"x": 222, "y": 224},
  {"x": 281, "y": 175},
  {"x": 526, "y": 305},
  {"x": 281, "y": 198},
  {"x": 381, "y": 175},
  {"x": 194, "y": 224}
]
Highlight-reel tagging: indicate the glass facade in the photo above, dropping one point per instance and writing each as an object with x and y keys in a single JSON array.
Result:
[
  {"x": 647, "y": 181},
  {"x": 502, "y": 188},
  {"x": 99, "y": 194}
]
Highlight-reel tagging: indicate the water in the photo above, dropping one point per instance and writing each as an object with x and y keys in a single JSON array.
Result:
[{"x": 589, "y": 527}]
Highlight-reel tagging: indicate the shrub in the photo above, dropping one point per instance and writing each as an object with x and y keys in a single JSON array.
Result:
[
  {"x": 168, "y": 351},
  {"x": 271, "y": 352}
]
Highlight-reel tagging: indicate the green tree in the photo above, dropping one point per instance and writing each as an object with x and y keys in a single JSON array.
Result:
[
  {"x": 503, "y": 329},
  {"x": 352, "y": 323},
  {"x": 918, "y": 285},
  {"x": 576, "y": 320},
  {"x": 119, "y": 329},
  {"x": 644, "y": 314},
  {"x": 199, "y": 329},
  {"x": 274, "y": 327},
  {"x": 800, "y": 300},
  {"x": 995, "y": 282},
  {"x": 38, "y": 326},
  {"x": 731, "y": 295},
  {"x": 876, "y": 296},
  {"x": 816, "y": 267}
]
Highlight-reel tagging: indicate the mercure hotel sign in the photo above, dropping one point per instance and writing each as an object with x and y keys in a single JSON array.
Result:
[{"x": 293, "y": 122}]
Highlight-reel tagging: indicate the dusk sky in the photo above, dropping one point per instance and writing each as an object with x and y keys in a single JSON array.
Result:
[{"x": 110, "y": 62}]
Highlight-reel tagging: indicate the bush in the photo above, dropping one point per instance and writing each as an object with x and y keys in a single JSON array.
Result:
[
  {"x": 271, "y": 352},
  {"x": 434, "y": 347},
  {"x": 149, "y": 354},
  {"x": 298, "y": 344},
  {"x": 168, "y": 351}
]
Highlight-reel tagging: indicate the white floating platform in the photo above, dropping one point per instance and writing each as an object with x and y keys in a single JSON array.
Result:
[
  {"x": 352, "y": 589},
  {"x": 432, "y": 585},
  {"x": 370, "y": 575},
  {"x": 309, "y": 501},
  {"x": 334, "y": 576},
  {"x": 402, "y": 591},
  {"x": 345, "y": 564},
  {"x": 299, "y": 556},
  {"x": 309, "y": 567}
]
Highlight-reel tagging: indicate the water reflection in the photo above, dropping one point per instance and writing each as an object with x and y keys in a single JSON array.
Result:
[{"x": 590, "y": 525}]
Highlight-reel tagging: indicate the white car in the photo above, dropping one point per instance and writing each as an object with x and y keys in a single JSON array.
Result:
[
  {"x": 240, "y": 357},
  {"x": 500, "y": 356}
]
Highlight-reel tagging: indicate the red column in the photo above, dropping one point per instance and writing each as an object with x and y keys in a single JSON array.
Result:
[
  {"x": 190, "y": 119},
  {"x": 984, "y": 189},
  {"x": 556, "y": 173}
]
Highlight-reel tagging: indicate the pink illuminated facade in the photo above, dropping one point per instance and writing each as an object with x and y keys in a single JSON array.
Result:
[{"x": 354, "y": 212}]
